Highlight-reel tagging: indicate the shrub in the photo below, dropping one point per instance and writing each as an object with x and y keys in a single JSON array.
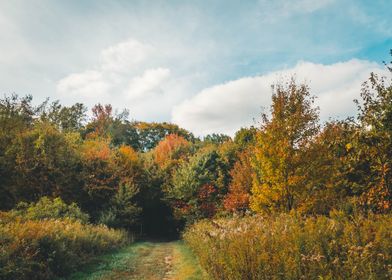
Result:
[
  {"x": 47, "y": 208},
  {"x": 46, "y": 249},
  {"x": 290, "y": 247}
]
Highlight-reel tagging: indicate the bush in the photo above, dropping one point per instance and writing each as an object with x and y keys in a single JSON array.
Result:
[
  {"x": 47, "y": 208},
  {"x": 46, "y": 249},
  {"x": 290, "y": 247}
]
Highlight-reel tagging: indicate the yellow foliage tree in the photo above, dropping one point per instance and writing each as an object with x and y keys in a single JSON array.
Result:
[{"x": 279, "y": 162}]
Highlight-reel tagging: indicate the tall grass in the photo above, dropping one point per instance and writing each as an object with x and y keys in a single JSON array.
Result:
[
  {"x": 290, "y": 247},
  {"x": 46, "y": 249}
]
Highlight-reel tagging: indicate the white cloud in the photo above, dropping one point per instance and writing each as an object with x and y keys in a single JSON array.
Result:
[
  {"x": 128, "y": 76},
  {"x": 122, "y": 78},
  {"x": 148, "y": 83},
  {"x": 227, "y": 107},
  {"x": 117, "y": 63},
  {"x": 125, "y": 56},
  {"x": 88, "y": 84}
]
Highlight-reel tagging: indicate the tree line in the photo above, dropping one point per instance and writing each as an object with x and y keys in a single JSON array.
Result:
[{"x": 158, "y": 177}]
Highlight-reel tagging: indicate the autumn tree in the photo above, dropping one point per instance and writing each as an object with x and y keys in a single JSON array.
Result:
[
  {"x": 98, "y": 173},
  {"x": 102, "y": 118},
  {"x": 150, "y": 134},
  {"x": 331, "y": 176},
  {"x": 197, "y": 185},
  {"x": 170, "y": 150},
  {"x": 374, "y": 141},
  {"x": 44, "y": 164},
  {"x": 245, "y": 137},
  {"x": 237, "y": 199},
  {"x": 38, "y": 150},
  {"x": 129, "y": 168},
  {"x": 280, "y": 146},
  {"x": 16, "y": 115}
]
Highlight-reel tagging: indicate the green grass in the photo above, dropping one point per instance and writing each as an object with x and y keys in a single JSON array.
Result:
[
  {"x": 105, "y": 264},
  {"x": 185, "y": 264},
  {"x": 145, "y": 260}
]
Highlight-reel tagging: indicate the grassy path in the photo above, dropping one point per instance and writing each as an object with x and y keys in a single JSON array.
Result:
[{"x": 146, "y": 260}]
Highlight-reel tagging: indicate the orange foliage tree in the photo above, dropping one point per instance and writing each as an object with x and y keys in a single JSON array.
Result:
[
  {"x": 237, "y": 199},
  {"x": 99, "y": 178},
  {"x": 170, "y": 150},
  {"x": 102, "y": 118},
  {"x": 129, "y": 169}
]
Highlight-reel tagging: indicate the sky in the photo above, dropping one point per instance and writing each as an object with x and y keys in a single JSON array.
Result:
[{"x": 207, "y": 66}]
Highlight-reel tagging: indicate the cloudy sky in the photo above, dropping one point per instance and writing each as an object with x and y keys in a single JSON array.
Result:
[{"x": 205, "y": 65}]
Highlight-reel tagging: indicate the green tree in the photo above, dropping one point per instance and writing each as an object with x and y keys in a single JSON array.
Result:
[
  {"x": 64, "y": 118},
  {"x": 17, "y": 114},
  {"x": 123, "y": 132},
  {"x": 123, "y": 211},
  {"x": 43, "y": 163},
  {"x": 198, "y": 185},
  {"x": 217, "y": 138},
  {"x": 245, "y": 137},
  {"x": 150, "y": 134}
]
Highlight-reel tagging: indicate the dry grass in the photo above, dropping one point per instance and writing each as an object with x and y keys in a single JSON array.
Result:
[
  {"x": 50, "y": 248},
  {"x": 289, "y": 247}
]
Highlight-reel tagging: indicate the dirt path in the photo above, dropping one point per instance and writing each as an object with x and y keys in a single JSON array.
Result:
[{"x": 146, "y": 261}]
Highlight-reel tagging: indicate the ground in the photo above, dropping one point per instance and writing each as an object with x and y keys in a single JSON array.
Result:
[{"x": 146, "y": 261}]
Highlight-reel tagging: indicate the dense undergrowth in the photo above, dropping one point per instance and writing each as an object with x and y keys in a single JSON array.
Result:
[
  {"x": 48, "y": 248},
  {"x": 290, "y": 247}
]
